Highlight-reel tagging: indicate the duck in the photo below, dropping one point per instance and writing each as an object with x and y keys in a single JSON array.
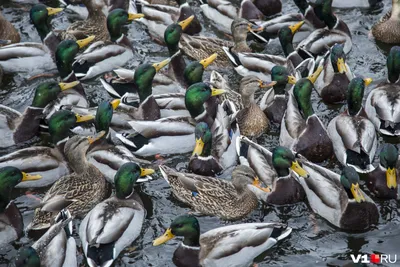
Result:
[
  {"x": 199, "y": 47},
  {"x": 25, "y": 57},
  {"x": 122, "y": 213},
  {"x": 73, "y": 191},
  {"x": 383, "y": 182},
  {"x": 353, "y": 135},
  {"x": 251, "y": 119},
  {"x": 337, "y": 31},
  {"x": 9, "y": 32},
  {"x": 381, "y": 105},
  {"x": 301, "y": 129},
  {"x": 277, "y": 169},
  {"x": 16, "y": 127},
  {"x": 378, "y": 4},
  {"x": 310, "y": 18},
  {"x": 384, "y": 30},
  {"x": 11, "y": 222},
  {"x": 228, "y": 200},
  {"x": 335, "y": 77},
  {"x": 204, "y": 249},
  {"x": 103, "y": 56},
  {"x": 57, "y": 247},
  {"x": 339, "y": 198}
]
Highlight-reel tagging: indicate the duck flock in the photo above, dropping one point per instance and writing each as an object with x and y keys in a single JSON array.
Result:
[{"x": 92, "y": 156}]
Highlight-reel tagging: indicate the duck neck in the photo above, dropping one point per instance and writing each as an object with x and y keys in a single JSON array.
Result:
[
  {"x": 330, "y": 20},
  {"x": 77, "y": 160},
  {"x": 302, "y": 5},
  {"x": 395, "y": 10},
  {"x": 28, "y": 125},
  {"x": 247, "y": 100},
  {"x": 279, "y": 88},
  {"x": 241, "y": 45},
  {"x": 4, "y": 200},
  {"x": 192, "y": 240},
  {"x": 177, "y": 66},
  {"x": 195, "y": 109},
  {"x": 43, "y": 30},
  {"x": 282, "y": 172},
  {"x": 287, "y": 48}
]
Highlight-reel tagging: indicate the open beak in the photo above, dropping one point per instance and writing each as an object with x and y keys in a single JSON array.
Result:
[
  {"x": 115, "y": 103},
  {"x": 84, "y": 42},
  {"x": 198, "y": 149},
  {"x": 299, "y": 170},
  {"x": 391, "y": 179},
  {"x": 168, "y": 235},
  {"x": 185, "y": 23},
  {"x": 215, "y": 92},
  {"x": 257, "y": 184},
  {"x": 207, "y": 61},
  {"x": 263, "y": 84},
  {"x": 292, "y": 79},
  {"x": 96, "y": 137},
  {"x": 162, "y": 64},
  {"x": 367, "y": 81},
  {"x": 313, "y": 77},
  {"x": 53, "y": 11},
  {"x": 144, "y": 172},
  {"x": 132, "y": 16},
  {"x": 341, "y": 65},
  {"x": 83, "y": 118},
  {"x": 66, "y": 86},
  {"x": 30, "y": 177},
  {"x": 294, "y": 28},
  {"x": 357, "y": 194},
  {"x": 254, "y": 28}
]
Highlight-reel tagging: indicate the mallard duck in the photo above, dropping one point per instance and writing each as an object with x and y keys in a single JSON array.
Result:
[
  {"x": 261, "y": 64},
  {"x": 214, "y": 248},
  {"x": 382, "y": 104},
  {"x": 16, "y": 127},
  {"x": 57, "y": 247},
  {"x": 31, "y": 57},
  {"x": 385, "y": 30},
  {"x": 104, "y": 56},
  {"x": 320, "y": 40},
  {"x": 8, "y": 32},
  {"x": 251, "y": 119},
  {"x": 11, "y": 222},
  {"x": 352, "y": 133},
  {"x": 274, "y": 101},
  {"x": 228, "y": 200},
  {"x": 338, "y": 198},
  {"x": 122, "y": 214},
  {"x": 310, "y": 17},
  {"x": 335, "y": 77},
  {"x": 199, "y": 47},
  {"x": 383, "y": 182},
  {"x": 79, "y": 192},
  {"x": 301, "y": 129},
  {"x": 277, "y": 169}
]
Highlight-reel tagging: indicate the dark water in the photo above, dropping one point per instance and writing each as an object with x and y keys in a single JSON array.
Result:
[{"x": 313, "y": 241}]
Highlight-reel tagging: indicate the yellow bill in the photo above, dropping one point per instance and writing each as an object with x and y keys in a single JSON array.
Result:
[
  {"x": 30, "y": 177},
  {"x": 391, "y": 179},
  {"x": 367, "y": 81},
  {"x": 357, "y": 194},
  {"x": 292, "y": 79},
  {"x": 185, "y": 23},
  {"x": 96, "y": 137},
  {"x": 66, "y": 86},
  {"x": 313, "y": 77},
  {"x": 162, "y": 64},
  {"x": 168, "y": 235},
  {"x": 294, "y": 28},
  {"x": 84, "y": 42},
  {"x": 83, "y": 118},
  {"x": 144, "y": 172},
  {"x": 198, "y": 149},
  {"x": 207, "y": 61},
  {"x": 115, "y": 103},
  {"x": 257, "y": 184},
  {"x": 215, "y": 91},
  {"x": 298, "y": 169},
  {"x": 53, "y": 11},
  {"x": 132, "y": 16},
  {"x": 341, "y": 65}
]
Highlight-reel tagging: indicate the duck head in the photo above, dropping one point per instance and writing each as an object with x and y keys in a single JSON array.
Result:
[
  {"x": 355, "y": 94},
  {"x": 126, "y": 177},
  {"x": 388, "y": 160},
  {"x": 47, "y": 92},
  {"x": 40, "y": 16},
  {"x": 197, "y": 95},
  {"x": 27, "y": 257},
  {"x": 186, "y": 226},
  {"x": 66, "y": 52},
  {"x": 203, "y": 137},
  {"x": 104, "y": 113},
  {"x": 240, "y": 28},
  {"x": 286, "y": 34},
  {"x": 193, "y": 72},
  {"x": 350, "y": 181},
  {"x": 338, "y": 58},
  {"x": 173, "y": 33},
  {"x": 282, "y": 77},
  {"x": 323, "y": 10},
  {"x": 283, "y": 159},
  {"x": 249, "y": 85},
  {"x": 116, "y": 19},
  {"x": 393, "y": 64}
]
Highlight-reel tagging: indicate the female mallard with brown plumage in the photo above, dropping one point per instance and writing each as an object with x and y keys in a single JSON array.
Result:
[
  {"x": 386, "y": 29},
  {"x": 228, "y": 200},
  {"x": 8, "y": 32}
]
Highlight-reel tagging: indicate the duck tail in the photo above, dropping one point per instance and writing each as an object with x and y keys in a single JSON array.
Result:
[{"x": 233, "y": 57}]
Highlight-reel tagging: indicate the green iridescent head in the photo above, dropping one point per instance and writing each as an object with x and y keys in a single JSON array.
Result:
[
  {"x": 193, "y": 72},
  {"x": 186, "y": 226},
  {"x": 350, "y": 181},
  {"x": 393, "y": 64},
  {"x": 285, "y": 35},
  {"x": 173, "y": 33},
  {"x": 126, "y": 177},
  {"x": 116, "y": 19},
  {"x": 302, "y": 93},
  {"x": 388, "y": 160},
  {"x": 197, "y": 95},
  {"x": 282, "y": 77},
  {"x": 40, "y": 17},
  {"x": 323, "y": 10},
  {"x": 47, "y": 92},
  {"x": 338, "y": 58},
  {"x": 62, "y": 121},
  {"x": 105, "y": 111},
  {"x": 355, "y": 94},
  {"x": 283, "y": 159},
  {"x": 27, "y": 257},
  {"x": 203, "y": 138},
  {"x": 302, "y": 5}
]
